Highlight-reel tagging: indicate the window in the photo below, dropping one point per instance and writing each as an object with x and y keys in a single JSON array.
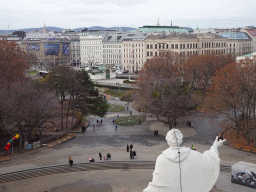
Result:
[
  {"x": 156, "y": 53},
  {"x": 151, "y": 46},
  {"x": 167, "y": 47},
  {"x": 155, "y": 46},
  {"x": 176, "y": 46},
  {"x": 172, "y": 46},
  {"x": 180, "y": 46},
  {"x": 187, "y": 46},
  {"x": 151, "y": 53},
  {"x": 147, "y": 53}
]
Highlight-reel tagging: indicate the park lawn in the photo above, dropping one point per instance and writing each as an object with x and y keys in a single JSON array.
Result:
[
  {"x": 129, "y": 120},
  {"x": 115, "y": 108}
]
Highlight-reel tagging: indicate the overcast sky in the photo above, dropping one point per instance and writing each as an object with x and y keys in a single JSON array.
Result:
[{"x": 72, "y": 14}]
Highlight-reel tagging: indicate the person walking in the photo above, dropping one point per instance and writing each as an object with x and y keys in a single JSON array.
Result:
[
  {"x": 115, "y": 127},
  {"x": 97, "y": 121},
  {"x": 131, "y": 147},
  {"x": 100, "y": 156},
  {"x": 70, "y": 162},
  {"x": 101, "y": 121},
  {"x": 130, "y": 112},
  {"x": 113, "y": 120},
  {"x": 131, "y": 154},
  {"x": 127, "y": 148},
  {"x": 139, "y": 110},
  {"x": 108, "y": 156},
  {"x": 127, "y": 108}
]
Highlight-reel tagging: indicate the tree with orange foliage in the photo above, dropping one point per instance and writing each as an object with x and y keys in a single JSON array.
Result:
[
  {"x": 12, "y": 63},
  {"x": 233, "y": 94},
  {"x": 160, "y": 89},
  {"x": 198, "y": 70}
]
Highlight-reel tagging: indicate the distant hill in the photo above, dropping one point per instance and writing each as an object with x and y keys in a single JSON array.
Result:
[{"x": 77, "y": 29}]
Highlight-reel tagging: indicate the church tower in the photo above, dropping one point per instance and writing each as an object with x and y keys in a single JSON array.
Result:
[
  {"x": 44, "y": 29},
  {"x": 158, "y": 22}
]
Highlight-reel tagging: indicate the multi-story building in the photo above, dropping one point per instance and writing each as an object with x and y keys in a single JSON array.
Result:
[
  {"x": 184, "y": 44},
  {"x": 133, "y": 51},
  {"x": 112, "y": 49},
  {"x": 238, "y": 43},
  {"x": 51, "y": 49},
  {"x": 75, "y": 50},
  {"x": 190, "y": 44},
  {"x": 252, "y": 33},
  {"x": 91, "y": 48}
]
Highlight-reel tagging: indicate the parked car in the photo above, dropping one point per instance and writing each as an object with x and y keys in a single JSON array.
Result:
[
  {"x": 127, "y": 71},
  {"x": 119, "y": 72}
]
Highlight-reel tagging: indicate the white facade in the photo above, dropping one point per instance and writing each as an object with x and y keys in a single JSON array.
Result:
[
  {"x": 112, "y": 49},
  {"x": 91, "y": 49}
]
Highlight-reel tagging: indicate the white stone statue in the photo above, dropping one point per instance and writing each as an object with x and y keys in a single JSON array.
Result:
[{"x": 182, "y": 169}]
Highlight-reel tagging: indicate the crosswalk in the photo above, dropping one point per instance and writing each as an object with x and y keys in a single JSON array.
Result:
[{"x": 58, "y": 169}]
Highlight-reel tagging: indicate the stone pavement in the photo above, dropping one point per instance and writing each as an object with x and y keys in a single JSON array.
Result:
[{"x": 112, "y": 180}]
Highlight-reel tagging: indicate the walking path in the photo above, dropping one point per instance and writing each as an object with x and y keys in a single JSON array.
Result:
[{"x": 125, "y": 179}]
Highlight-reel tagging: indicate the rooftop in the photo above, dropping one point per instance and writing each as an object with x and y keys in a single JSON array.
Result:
[{"x": 235, "y": 35}]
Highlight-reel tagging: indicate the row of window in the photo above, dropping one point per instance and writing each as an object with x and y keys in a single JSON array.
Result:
[
  {"x": 112, "y": 56},
  {"x": 91, "y": 47},
  {"x": 132, "y": 50},
  {"x": 133, "y": 55},
  {"x": 111, "y": 46},
  {"x": 86, "y": 42},
  {"x": 132, "y": 61},
  {"x": 212, "y": 44},
  {"x": 111, "y": 51},
  {"x": 132, "y": 45}
]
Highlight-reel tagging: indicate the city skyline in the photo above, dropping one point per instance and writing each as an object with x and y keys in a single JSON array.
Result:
[{"x": 129, "y": 13}]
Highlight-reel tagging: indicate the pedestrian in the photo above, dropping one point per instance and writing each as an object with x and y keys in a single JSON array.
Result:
[
  {"x": 156, "y": 132},
  {"x": 108, "y": 156},
  {"x": 70, "y": 162},
  {"x": 97, "y": 121},
  {"x": 127, "y": 148},
  {"x": 127, "y": 108},
  {"x": 139, "y": 110},
  {"x": 101, "y": 121},
  {"x": 130, "y": 112},
  {"x": 131, "y": 147},
  {"x": 93, "y": 126},
  {"x": 131, "y": 156},
  {"x": 113, "y": 120},
  {"x": 133, "y": 153},
  {"x": 139, "y": 122},
  {"x": 100, "y": 156},
  {"x": 115, "y": 127}
]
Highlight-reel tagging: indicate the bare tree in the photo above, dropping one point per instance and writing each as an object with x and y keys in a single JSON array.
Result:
[{"x": 160, "y": 89}]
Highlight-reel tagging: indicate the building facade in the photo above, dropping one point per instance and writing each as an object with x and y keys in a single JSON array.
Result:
[
  {"x": 112, "y": 49},
  {"x": 91, "y": 48},
  {"x": 133, "y": 51}
]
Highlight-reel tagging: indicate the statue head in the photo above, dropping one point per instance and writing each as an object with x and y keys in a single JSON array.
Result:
[{"x": 174, "y": 138}]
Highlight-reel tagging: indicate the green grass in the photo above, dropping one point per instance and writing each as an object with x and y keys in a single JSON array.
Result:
[
  {"x": 115, "y": 108},
  {"x": 33, "y": 72},
  {"x": 129, "y": 120}
]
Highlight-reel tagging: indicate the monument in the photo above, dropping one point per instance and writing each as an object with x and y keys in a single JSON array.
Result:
[{"x": 182, "y": 169}]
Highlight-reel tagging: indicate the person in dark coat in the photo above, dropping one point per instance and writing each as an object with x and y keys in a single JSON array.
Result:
[
  {"x": 97, "y": 121},
  {"x": 127, "y": 148},
  {"x": 131, "y": 154},
  {"x": 101, "y": 121},
  {"x": 131, "y": 147},
  {"x": 139, "y": 110},
  {"x": 100, "y": 156},
  {"x": 113, "y": 120},
  {"x": 70, "y": 162}
]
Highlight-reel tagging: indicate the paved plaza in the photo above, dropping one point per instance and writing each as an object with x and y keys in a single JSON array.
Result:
[{"x": 105, "y": 139}]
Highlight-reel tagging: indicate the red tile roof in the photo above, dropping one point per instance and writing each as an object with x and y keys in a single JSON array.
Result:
[{"x": 252, "y": 32}]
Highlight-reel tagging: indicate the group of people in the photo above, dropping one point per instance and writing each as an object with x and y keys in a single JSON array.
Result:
[
  {"x": 132, "y": 152},
  {"x": 99, "y": 122},
  {"x": 156, "y": 132},
  {"x": 108, "y": 156}
]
